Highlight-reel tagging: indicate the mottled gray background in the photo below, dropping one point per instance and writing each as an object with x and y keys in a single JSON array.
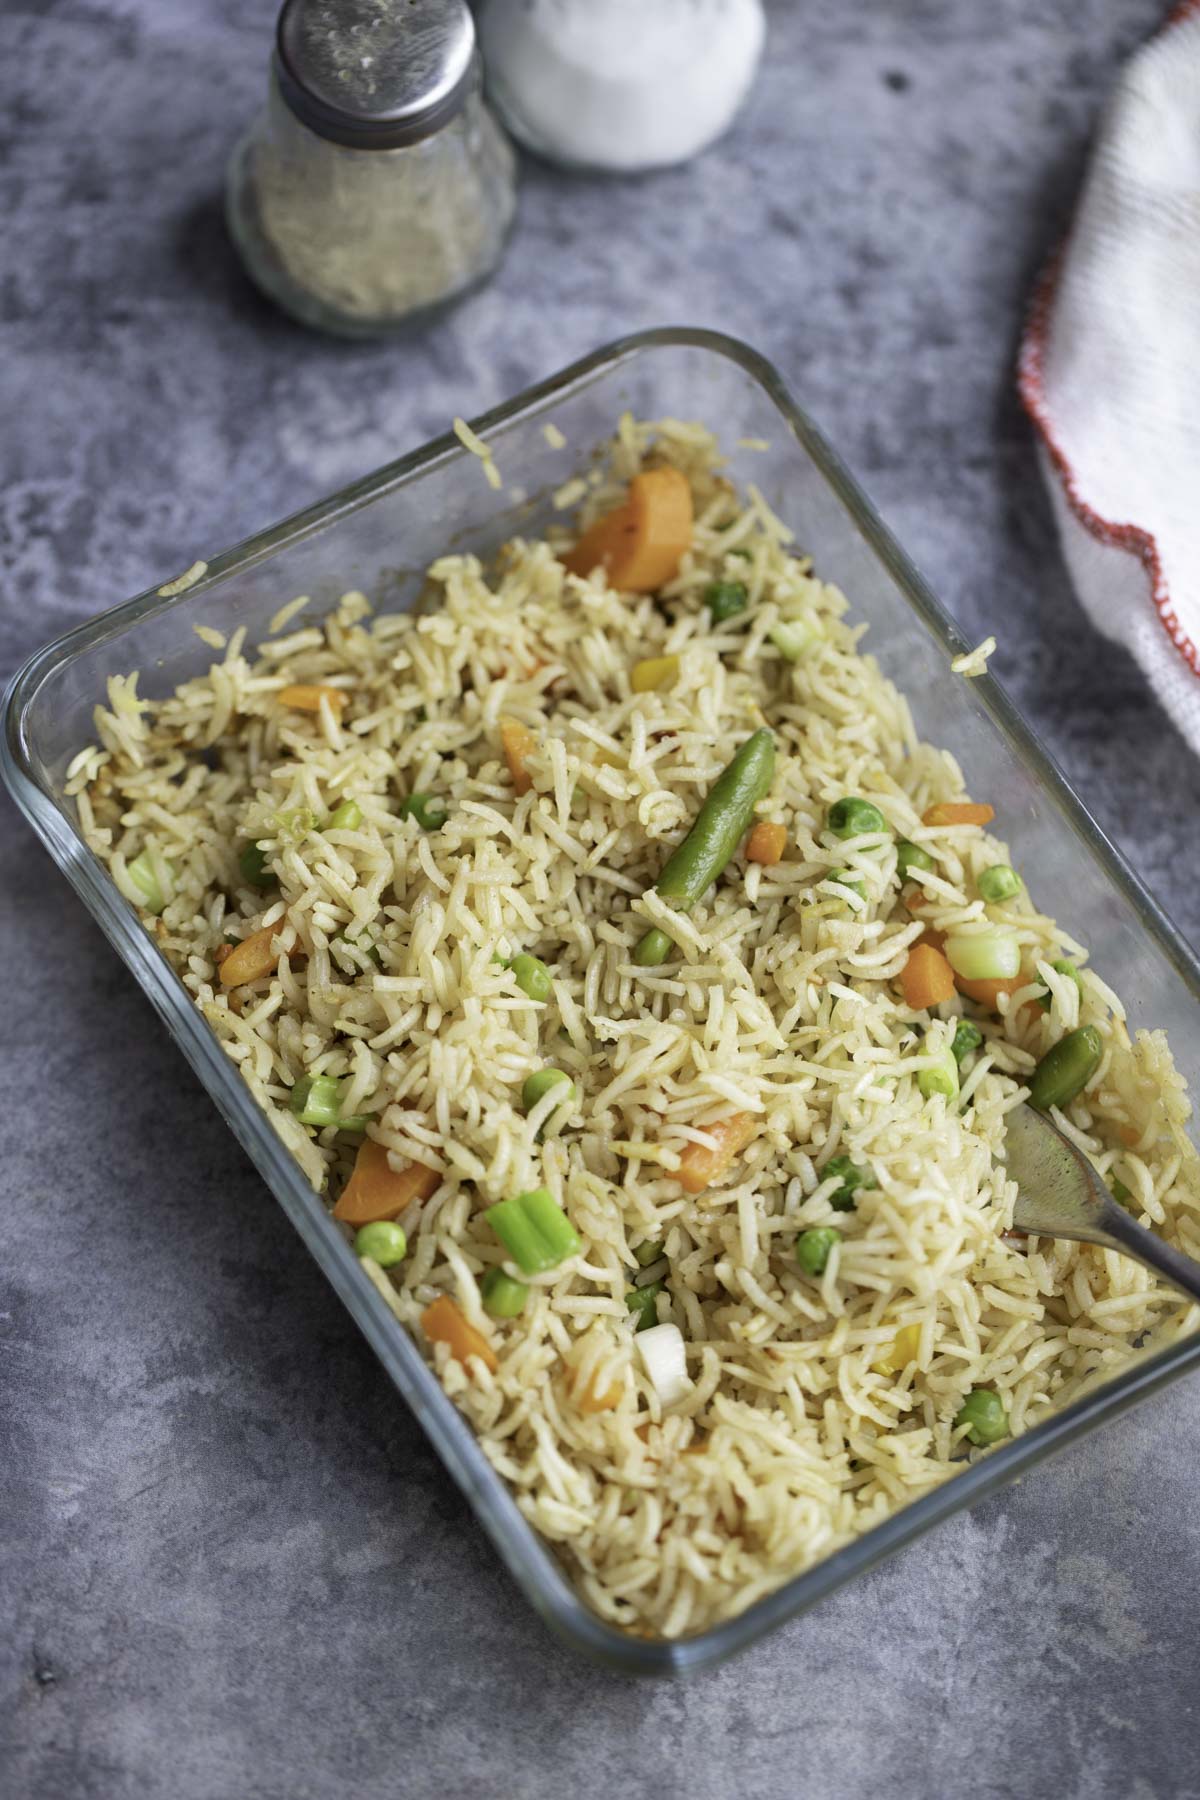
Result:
[{"x": 229, "y": 1564}]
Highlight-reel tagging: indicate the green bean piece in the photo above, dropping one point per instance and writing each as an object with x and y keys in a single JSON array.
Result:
[
  {"x": 429, "y": 812},
  {"x": 813, "y": 1247},
  {"x": 648, "y": 1253},
  {"x": 252, "y": 861},
  {"x": 851, "y": 817},
  {"x": 725, "y": 599},
  {"x": 346, "y": 817},
  {"x": 850, "y": 1179},
  {"x": 539, "y": 1084},
  {"x": 314, "y": 1100},
  {"x": 384, "y": 1242},
  {"x": 502, "y": 1297},
  {"x": 1000, "y": 882},
  {"x": 534, "y": 1230},
  {"x": 532, "y": 976},
  {"x": 911, "y": 856},
  {"x": 640, "y": 1302},
  {"x": 982, "y": 1412},
  {"x": 1066, "y": 1068},
  {"x": 967, "y": 1037},
  {"x": 719, "y": 828},
  {"x": 1060, "y": 967}
]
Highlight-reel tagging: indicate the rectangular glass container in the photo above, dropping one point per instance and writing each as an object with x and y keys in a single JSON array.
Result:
[{"x": 377, "y": 535}]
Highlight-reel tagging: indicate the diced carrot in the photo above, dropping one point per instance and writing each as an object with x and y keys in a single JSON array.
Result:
[
  {"x": 589, "y": 1401},
  {"x": 766, "y": 842},
  {"x": 927, "y": 978},
  {"x": 518, "y": 743},
  {"x": 442, "y": 1323},
  {"x": 254, "y": 957},
  {"x": 306, "y": 697},
  {"x": 987, "y": 992},
  {"x": 699, "y": 1166},
  {"x": 377, "y": 1191},
  {"x": 1129, "y": 1135},
  {"x": 639, "y": 545},
  {"x": 959, "y": 812},
  {"x": 931, "y": 935}
]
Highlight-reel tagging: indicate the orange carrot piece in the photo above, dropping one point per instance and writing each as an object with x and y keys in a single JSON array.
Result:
[
  {"x": 766, "y": 842},
  {"x": 253, "y": 958},
  {"x": 377, "y": 1191},
  {"x": 699, "y": 1166},
  {"x": 927, "y": 978},
  {"x": 987, "y": 992},
  {"x": 307, "y": 697},
  {"x": 442, "y": 1323},
  {"x": 589, "y": 1401},
  {"x": 959, "y": 812},
  {"x": 518, "y": 743},
  {"x": 931, "y": 935},
  {"x": 639, "y": 545}
]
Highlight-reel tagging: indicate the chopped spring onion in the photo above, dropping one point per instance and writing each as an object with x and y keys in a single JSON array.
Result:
[
  {"x": 295, "y": 822},
  {"x": 653, "y": 672},
  {"x": 648, "y": 1253},
  {"x": 145, "y": 872},
  {"x": 967, "y": 1037},
  {"x": 534, "y": 1230},
  {"x": 346, "y": 817},
  {"x": 502, "y": 1297},
  {"x": 984, "y": 955},
  {"x": 642, "y": 1307},
  {"x": 314, "y": 1100},
  {"x": 942, "y": 1078},
  {"x": 725, "y": 599},
  {"x": 665, "y": 1359},
  {"x": 1060, "y": 967},
  {"x": 792, "y": 637}
]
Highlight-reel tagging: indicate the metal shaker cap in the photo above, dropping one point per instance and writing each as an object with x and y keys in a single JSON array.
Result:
[{"x": 375, "y": 74}]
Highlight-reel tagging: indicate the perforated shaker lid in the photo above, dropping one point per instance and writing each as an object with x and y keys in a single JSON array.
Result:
[{"x": 374, "y": 74}]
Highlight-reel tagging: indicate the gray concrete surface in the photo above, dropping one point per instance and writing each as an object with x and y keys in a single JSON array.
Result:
[{"x": 229, "y": 1564}]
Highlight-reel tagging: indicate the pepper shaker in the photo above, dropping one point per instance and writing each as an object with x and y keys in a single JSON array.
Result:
[{"x": 376, "y": 188}]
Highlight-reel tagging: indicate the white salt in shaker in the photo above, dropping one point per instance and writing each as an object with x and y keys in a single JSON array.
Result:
[{"x": 619, "y": 84}]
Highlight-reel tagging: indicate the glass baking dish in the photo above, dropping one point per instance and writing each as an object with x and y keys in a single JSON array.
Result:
[{"x": 377, "y": 535}]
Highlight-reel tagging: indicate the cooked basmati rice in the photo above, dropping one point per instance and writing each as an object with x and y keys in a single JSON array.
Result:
[{"x": 795, "y": 1434}]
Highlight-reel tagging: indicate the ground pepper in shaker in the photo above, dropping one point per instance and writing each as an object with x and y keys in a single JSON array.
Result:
[{"x": 376, "y": 188}]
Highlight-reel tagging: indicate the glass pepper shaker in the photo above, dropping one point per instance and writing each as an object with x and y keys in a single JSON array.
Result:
[{"x": 376, "y": 188}]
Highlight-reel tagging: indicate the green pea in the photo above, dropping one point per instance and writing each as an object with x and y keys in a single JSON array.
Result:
[
  {"x": 813, "y": 1247},
  {"x": 1061, "y": 967},
  {"x": 532, "y": 976},
  {"x": 539, "y": 1084},
  {"x": 844, "y": 879},
  {"x": 253, "y": 863},
  {"x": 346, "y": 817},
  {"x": 850, "y": 1177},
  {"x": 725, "y": 599},
  {"x": 851, "y": 817},
  {"x": 982, "y": 1412},
  {"x": 502, "y": 1297},
  {"x": 911, "y": 856},
  {"x": 999, "y": 883},
  {"x": 967, "y": 1037},
  {"x": 384, "y": 1242},
  {"x": 1066, "y": 1068},
  {"x": 641, "y": 1304},
  {"x": 429, "y": 812},
  {"x": 648, "y": 1253}
]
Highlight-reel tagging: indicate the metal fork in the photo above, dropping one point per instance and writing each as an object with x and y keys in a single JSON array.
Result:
[{"x": 1059, "y": 1194}]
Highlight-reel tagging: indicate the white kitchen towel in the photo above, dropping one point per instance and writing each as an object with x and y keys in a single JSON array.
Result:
[{"x": 1110, "y": 371}]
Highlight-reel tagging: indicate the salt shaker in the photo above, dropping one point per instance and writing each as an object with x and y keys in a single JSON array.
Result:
[
  {"x": 619, "y": 84},
  {"x": 376, "y": 188}
]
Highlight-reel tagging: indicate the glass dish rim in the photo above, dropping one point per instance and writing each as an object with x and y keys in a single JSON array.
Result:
[{"x": 528, "y": 1558}]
